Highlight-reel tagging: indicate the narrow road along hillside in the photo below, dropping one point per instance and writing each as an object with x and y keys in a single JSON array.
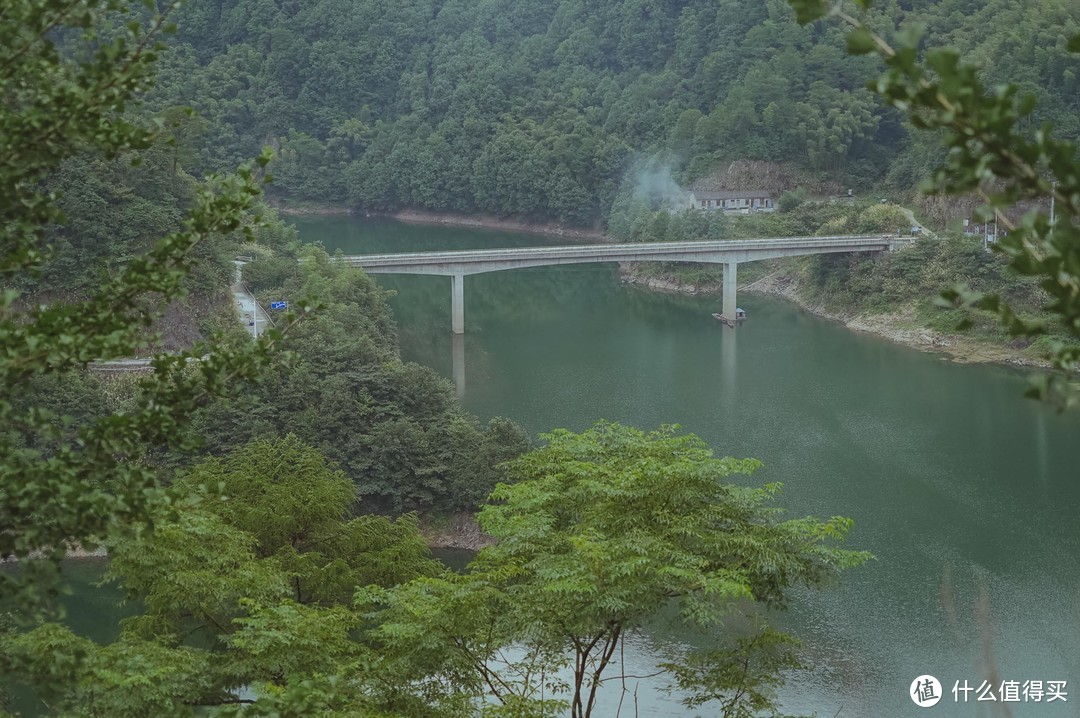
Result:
[{"x": 249, "y": 312}]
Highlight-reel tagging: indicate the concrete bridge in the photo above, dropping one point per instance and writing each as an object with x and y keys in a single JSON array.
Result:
[{"x": 730, "y": 253}]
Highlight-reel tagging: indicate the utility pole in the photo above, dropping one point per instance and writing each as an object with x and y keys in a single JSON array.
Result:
[
  {"x": 987, "y": 241},
  {"x": 254, "y": 317}
]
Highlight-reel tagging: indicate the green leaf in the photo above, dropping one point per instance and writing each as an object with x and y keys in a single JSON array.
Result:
[{"x": 860, "y": 41}]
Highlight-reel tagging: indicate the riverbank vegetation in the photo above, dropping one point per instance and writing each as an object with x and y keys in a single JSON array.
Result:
[
  {"x": 995, "y": 154},
  {"x": 264, "y": 588}
]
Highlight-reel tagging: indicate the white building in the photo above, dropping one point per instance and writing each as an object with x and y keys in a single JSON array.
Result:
[{"x": 743, "y": 200}]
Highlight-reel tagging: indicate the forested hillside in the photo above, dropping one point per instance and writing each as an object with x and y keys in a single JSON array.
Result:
[
  {"x": 538, "y": 109},
  {"x": 395, "y": 428}
]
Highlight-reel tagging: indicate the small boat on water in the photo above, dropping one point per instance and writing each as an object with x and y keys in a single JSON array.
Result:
[{"x": 740, "y": 316}]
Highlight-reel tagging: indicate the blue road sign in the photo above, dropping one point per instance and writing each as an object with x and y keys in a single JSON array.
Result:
[{"x": 279, "y": 305}]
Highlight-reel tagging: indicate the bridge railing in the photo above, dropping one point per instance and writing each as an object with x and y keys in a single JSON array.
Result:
[{"x": 594, "y": 250}]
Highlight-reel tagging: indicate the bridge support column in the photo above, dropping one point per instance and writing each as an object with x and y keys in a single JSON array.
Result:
[
  {"x": 730, "y": 272},
  {"x": 457, "y": 303}
]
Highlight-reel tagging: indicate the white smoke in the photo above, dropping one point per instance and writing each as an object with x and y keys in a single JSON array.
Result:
[{"x": 654, "y": 182}]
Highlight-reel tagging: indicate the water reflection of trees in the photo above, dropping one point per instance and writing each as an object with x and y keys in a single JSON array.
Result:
[{"x": 367, "y": 236}]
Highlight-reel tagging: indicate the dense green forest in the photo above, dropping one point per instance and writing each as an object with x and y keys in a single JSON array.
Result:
[
  {"x": 267, "y": 596},
  {"x": 115, "y": 212},
  {"x": 541, "y": 109},
  {"x": 396, "y": 428}
]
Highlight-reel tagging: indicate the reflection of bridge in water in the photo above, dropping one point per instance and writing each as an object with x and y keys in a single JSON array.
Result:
[
  {"x": 458, "y": 364},
  {"x": 728, "y": 362},
  {"x": 730, "y": 253}
]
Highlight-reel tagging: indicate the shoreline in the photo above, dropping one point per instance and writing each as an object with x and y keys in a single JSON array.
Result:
[
  {"x": 551, "y": 229},
  {"x": 893, "y": 326},
  {"x": 459, "y": 531},
  {"x": 309, "y": 210},
  {"x": 898, "y": 327},
  {"x": 417, "y": 216}
]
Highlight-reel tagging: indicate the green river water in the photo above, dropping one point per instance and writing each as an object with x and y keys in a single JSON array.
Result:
[{"x": 966, "y": 492}]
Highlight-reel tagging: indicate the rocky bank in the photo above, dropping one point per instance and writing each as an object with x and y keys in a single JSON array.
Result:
[{"x": 900, "y": 326}]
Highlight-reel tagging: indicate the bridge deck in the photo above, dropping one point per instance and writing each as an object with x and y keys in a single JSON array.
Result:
[
  {"x": 623, "y": 252},
  {"x": 457, "y": 264}
]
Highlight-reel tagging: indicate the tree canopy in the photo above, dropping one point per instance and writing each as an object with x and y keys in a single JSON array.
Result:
[
  {"x": 59, "y": 483},
  {"x": 247, "y": 583},
  {"x": 599, "y": 533},
  {"x": 262, "y": 588},
  {"x": 538, "y": 109}
]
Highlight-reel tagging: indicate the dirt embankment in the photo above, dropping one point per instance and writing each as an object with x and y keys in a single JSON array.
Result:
[
  {"x": 663, "y": 284},
  {"x": 758, "y": 174},
  {"x": 901, "y": 326},
  {"x": 417, "y": 216},
  {"x": 510, "y": 225},
  {"x": 72, "y": 551},
  {"x": 302, "y": 209},
  {"x": 461, "y": 531}
]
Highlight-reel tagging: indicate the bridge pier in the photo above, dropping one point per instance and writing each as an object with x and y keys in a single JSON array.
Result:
[
  {"x": 457, "y": 303},
  {"x": 730, "y": 277},
  {"x": 457, "y": 263}
]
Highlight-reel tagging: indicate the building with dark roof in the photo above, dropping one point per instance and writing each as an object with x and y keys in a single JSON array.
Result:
[{"x": 741, "y": 200}]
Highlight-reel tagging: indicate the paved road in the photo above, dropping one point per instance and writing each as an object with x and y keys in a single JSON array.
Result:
[
  {"x": 118, "y": 365},
  {"x": 916, "y": 223},
  {"x": 245, "y": 301},
  {"x": 252, "y": 314}
]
